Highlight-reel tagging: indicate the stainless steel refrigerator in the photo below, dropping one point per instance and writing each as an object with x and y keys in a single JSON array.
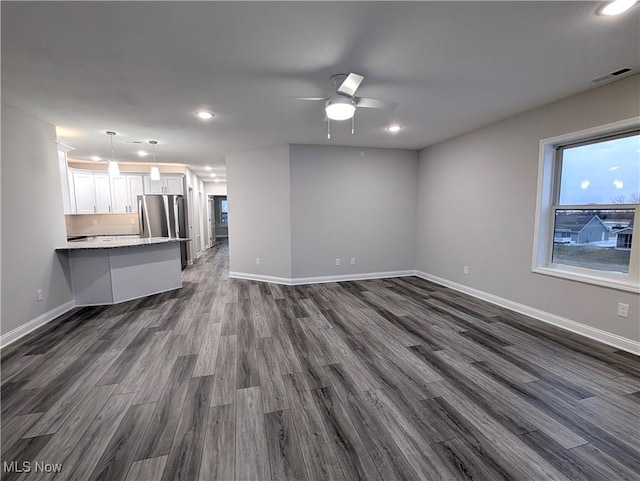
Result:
[{"x": 164, "y": 216}]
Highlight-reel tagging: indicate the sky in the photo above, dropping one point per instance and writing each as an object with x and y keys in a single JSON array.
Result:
[{"x": 600, "y": 173}]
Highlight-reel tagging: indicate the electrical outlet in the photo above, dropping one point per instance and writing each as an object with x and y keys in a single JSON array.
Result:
[
  {"x": 353, "y": 260},
  {"x": 40, "y": 295},
  {"x": 95, "y": 222},
  {"x": 465, "y": 270},
  {"x": 337, "y": 262},
  {"x": 623, "y": 309},
  {"x": 133, "y": 222},
  {"x": 258, "y": 261}
]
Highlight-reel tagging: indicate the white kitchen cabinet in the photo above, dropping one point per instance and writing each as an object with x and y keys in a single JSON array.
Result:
[
  {"x": 168, "y": 184},
  {"x": 125, "y": 190},
  {"x": 85, "y": 192},
  {"x": 92, "y": 193},
  {"x": 65, "y": 183},
  {"x": 103, "y": 193},
  {"x": 136, "y": 188},
  {"x": 119, "y": 195},
  {"x": 173, "y": 184},
  {"x": 99, "y": 193},
  {"x": 72, "y": 194},
  {"x": 153, "y": 186}
]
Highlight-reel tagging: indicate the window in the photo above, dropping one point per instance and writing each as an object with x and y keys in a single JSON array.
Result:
[{"x": 588, "y": 202}]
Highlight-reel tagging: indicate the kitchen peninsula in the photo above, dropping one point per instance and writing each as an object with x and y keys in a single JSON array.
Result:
[{"x": 122, "y": 269}]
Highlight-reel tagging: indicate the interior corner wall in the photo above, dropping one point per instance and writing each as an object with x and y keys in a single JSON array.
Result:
[
  {"x": 33, "y": 224},
  {"x": 477, "y": 202},
  {"x": 258, "y": 190},
  {"x": 348, "y": 205}
]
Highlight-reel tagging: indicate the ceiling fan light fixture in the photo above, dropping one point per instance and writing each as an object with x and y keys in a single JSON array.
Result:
[
  {"x": 394, "y": 128},
  {"x": 615, "y": 7},
  {"x": 339, "y": 109}
]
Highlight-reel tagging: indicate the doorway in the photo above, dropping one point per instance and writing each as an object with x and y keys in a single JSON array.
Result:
[{"x": 219, "y": 221}]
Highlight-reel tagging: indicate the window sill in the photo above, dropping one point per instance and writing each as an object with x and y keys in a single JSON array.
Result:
[{"x": 619, "y": 284}]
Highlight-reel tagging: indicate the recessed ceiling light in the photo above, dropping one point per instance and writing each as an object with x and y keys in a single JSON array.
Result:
[
  {"x": 614, "y": 167},
  {"x": 615, "y": 7},
  {"x": 212, "y": 175},
  {"x": 395, "y": 128},
  {"x": 96, "y": 158},
  {"x": 204, "y": 115},
  {"x": 207, "y": 168},
  {"x": 216, "y": 180},
  {"x": 142, "y": 153}
]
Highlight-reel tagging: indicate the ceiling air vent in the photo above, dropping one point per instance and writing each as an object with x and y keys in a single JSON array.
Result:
[{"x": 610, "y": 75}]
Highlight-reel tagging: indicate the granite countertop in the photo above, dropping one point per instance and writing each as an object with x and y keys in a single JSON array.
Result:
[{"x": 97, "y": 243}]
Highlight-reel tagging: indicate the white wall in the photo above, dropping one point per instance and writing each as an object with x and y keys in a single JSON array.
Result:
[
  {"x": 259, "y": 212},
  {"x": 476, "y": 207},
  {"x": 215, "y": 188},
  {"x": 348, "y": 205},
  {"x": 32, "y": 221}
]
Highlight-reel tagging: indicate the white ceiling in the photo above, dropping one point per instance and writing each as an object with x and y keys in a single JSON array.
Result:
[{"x": 143, "y": 68}]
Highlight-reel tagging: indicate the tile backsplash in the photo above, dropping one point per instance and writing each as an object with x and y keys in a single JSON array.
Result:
[{"x": 101, "y": 224}]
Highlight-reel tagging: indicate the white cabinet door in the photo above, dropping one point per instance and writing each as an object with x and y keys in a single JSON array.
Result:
[
  {"x": 85, "y": 190},
  {"x": 153, "y": 186},
  {"x": 72, "y": 194},
  {"x": 168, "y": 184},
  {"x": 173, "y": 184},
  {"x": 119, "y": 194},
  {"x": 103, "y": 193},
  {"x": 136, "y": 188}
]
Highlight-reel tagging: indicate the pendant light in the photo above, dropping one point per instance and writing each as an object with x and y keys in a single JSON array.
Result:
[
  {"x": 155, "y": 170},
  {"x": 114, "y": 168}
]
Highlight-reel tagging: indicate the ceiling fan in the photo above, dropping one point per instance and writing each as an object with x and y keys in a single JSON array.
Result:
[{"x": 341, "y": 103}]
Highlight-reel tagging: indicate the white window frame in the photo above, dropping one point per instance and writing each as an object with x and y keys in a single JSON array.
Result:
[{"x": 548, "y": 173}]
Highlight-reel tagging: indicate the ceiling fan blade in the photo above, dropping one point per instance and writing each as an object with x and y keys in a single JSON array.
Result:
[
  {"x": 350, "y": 84},
  {"x": 310, "y": 98},
  {"x": 374, "y": 103}
]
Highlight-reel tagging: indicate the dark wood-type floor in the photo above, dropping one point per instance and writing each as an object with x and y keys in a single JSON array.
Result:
[{"x": 395, "y": 379}]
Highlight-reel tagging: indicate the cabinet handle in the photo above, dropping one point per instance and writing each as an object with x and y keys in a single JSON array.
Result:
[
  {"x": 109, "y": 208},
  {"x": 95, "y": 209}
]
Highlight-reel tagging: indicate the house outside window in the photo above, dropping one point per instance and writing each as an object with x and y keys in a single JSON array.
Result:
[{"x": 588, "y": 202}]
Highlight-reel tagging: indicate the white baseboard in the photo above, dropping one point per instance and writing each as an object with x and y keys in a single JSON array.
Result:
[
  {"x": 605, "y": 337},
  {"x": 351, "y": 277},
  {"x": 297, "y": 281},
  {"x": 260, "y": 278},
  {"x": 33, "y": 324}
]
